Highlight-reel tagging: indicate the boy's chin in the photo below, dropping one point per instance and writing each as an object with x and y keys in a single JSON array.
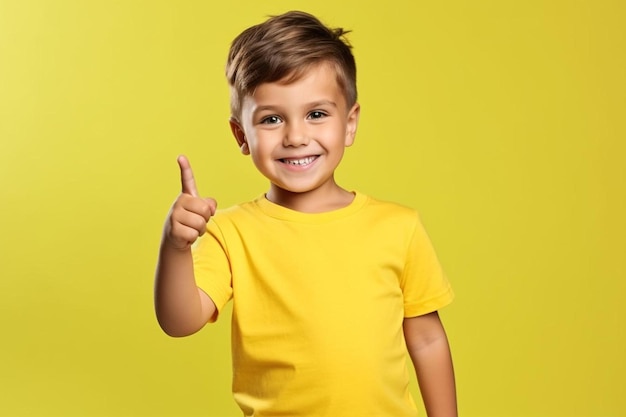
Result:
[
  {"x": 291, "y": 191},
  {"x": 296, "y": 190}
]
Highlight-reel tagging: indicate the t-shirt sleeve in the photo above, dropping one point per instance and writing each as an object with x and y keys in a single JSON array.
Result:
[
  {"x": 425, "y": 286},
  {"x": 212, "y": 267}
]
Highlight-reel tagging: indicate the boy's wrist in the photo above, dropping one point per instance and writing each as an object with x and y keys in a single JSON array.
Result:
[{"x": 170, "y": 245}]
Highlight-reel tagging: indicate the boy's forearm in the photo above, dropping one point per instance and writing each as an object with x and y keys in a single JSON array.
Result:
[
  {"x": 435, "y": 375},
  {"x": 181, "y": 308},
  {"x": 428, "y": 347}
]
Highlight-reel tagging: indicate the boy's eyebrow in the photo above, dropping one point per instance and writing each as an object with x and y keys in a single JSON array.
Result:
[
  {"x": 307, "y": 105},
  {"x": 322, "y": 103}
]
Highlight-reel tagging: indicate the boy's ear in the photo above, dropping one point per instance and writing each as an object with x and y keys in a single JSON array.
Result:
[
  {"x": 239, "y": 135},
  {"x": 353, "y": 123}
]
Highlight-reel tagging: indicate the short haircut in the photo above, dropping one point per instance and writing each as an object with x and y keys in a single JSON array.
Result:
[{"x": 284, "y": 48}]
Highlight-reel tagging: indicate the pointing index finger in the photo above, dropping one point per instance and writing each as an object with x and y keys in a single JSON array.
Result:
[{"x": 186, "y": 177}]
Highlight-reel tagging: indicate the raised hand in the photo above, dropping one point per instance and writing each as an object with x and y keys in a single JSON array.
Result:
[{"x": 190, "y": 213}]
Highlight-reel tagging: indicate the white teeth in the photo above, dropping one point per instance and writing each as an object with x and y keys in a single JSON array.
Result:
[{"x": 303, "y": 161}]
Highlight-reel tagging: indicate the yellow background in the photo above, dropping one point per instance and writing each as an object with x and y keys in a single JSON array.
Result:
[{"x": 501, "y": 121}]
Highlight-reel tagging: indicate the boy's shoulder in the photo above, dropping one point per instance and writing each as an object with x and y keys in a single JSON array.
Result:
[
  {"x": 239, "y": 209},
  {"x": 393, "y": 214},
  {"x": 392, "y": 206}
]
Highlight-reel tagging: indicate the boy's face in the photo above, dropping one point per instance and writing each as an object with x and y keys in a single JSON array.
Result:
[{"x": 296, "y": 133}]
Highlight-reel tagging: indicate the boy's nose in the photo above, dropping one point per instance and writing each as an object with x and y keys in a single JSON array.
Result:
[{"x": 295, "y": 135}]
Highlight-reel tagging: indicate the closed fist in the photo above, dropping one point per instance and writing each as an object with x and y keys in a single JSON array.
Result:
[{"x": 190, "y": 213}]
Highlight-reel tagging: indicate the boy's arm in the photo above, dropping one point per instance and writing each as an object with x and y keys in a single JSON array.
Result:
[
  {"x": 429, "y": 350},
  {"x": 181, "y": 307}
]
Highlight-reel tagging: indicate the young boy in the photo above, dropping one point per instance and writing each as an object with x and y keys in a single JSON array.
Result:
[{"x": 330, "y": 287}]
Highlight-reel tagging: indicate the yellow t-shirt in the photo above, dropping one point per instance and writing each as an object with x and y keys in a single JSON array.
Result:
[{"x": 318, "y": 304}]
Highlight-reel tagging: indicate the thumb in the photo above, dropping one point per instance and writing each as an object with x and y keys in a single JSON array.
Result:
[
  {"x": 212, "y": 205},
  {"x": 186, "y": 177}
]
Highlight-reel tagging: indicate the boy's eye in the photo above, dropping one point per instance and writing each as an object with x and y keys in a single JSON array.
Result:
[
  {"x": 270, "y": 120},
  {"x": 317, "y": 114}
]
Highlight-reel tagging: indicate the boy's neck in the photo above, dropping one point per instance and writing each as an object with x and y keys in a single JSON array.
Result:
[{"x": 315, "y": 201}]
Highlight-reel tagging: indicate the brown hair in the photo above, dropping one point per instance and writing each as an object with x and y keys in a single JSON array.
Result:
[{"x": 283, "y": 48}]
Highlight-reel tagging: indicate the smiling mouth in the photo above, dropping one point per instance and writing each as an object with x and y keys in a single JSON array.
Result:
[{"x": 299, "y": 161}]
